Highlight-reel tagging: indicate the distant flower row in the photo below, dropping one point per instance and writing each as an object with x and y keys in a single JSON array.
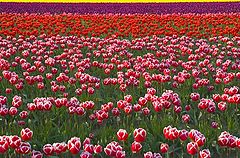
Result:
[{"x": 120, "y": 25}]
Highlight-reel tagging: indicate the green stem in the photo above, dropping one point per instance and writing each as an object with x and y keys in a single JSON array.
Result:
[
  {"x": 168, "y": 155},
  {"x": 173, "y": 149}
]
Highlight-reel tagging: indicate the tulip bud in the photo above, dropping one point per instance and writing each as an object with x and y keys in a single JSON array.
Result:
[
  {"x": 164, "y": 147},
  {"x": 136, "y": 147},
  {"x": 24, "y": 148},
  {"x": 183, "y": 135},
  {"x": 14, "y": 141},
  {"x": 192, "y": 148},
  {"x": 36, "y": 154},
  {"x": 74, "y": 145},
  {"x": 97, "y": 149},
  {"x": 3, "y": 145},
  {"x": 122, "y": 135},
  {"x": 86, "y": 154},
  {"x": 26, "y": 134},
  {"x": 148, "y": 155},
  {"x": 205, "y": 153},
  {"x": 48, "y": 149},
  {"x": 139, "y": 134}
]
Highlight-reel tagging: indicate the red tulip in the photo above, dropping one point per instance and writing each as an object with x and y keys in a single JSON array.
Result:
[
  {"x": 214, "y": 124},
  {"x": 80, "y": 111},
  {"x": 14, "y": 141},
  {"x": 74, "y": 145},
  {"x": 3, "y": 111},
  {"x": 3, "y": 145},
  {"x": 222, "y": 106},
  {"x": 232, "y": 141},
  {"x": 216, "y": 97},
  {"x": 120, "y": 154},
  {"x": 146, "y": 111},
  {"x": 148, "y": 155},
  {"x": 26, "y": 134},
  {"x": 164, "y": 148},
  {"x": 36, "y": 154},
  {"x": 115, "y": 112},
  {"x": 128, "y": 109},
  {"x": 157, "y": 155},
  {"x": 139, "y": 134},
  {"x": 48, "y": 149},
  {"x": 122, "y": 135},
  {"x": 186, "y": 118},
  {"x": 195, "y": 96},
  {"x": 89, "y": 148},
  {"x": 183, "y": 135},
  {"x": 86, "y": 154},
  {"x": 24, "y": 148},
  {"x": 23, "y": 114},
  {"x": 137, "y": 107},
  {"x": 59, "y": 147},
  {"x": 205, "y": 153},
  {"x": 136, "y": 147},
  {"x": 97, "y": 149},
  {"x": 13, "y": 111},
  {"x": 90, "y": 90},
  {"x": 8, "y": 90},
  {"x": 192, "y": 148},
  {"x": 142, "y": 101},
  {"x": 223, "y": 140},
  {"x": 173, "y": 133},
  {"x": 86, "y": 141},
  {"x": 128, "y": 98},
  {"x": 112, "y": 148},
  {"x": 238, "y": 143},
  {"x": 17, "y": 101},
  {"x": 187, "y": 107}
]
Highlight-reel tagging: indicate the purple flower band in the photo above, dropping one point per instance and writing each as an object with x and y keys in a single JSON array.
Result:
[{"x": 102, "y": 8}]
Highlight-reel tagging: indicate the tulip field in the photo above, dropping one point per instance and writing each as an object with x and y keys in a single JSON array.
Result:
[{"x": 119, "y": 85}]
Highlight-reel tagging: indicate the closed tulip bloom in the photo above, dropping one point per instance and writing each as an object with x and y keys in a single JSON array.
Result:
[
  {"x": 36, "y": 154},
  {"x": 48, "y": 149},
  {"x": 164, "y": 147},
  {"x": 205, "y": 153},
  {"x": 14, "y": 141},
  {"x": 26, "y": 134},
  {"x": 86, "y": 154},
  {"x": 24, "y": 148},
  {"x": 136, "y": 147},
  {"x": 122, "y": 135},
  {"x": 192, "y": 148},
  {"x": 97, "y": 149},
  {"x": 139, "y": 134},
  {"x": 74, "y": 145},
  {"x": 3, "y": 145}
]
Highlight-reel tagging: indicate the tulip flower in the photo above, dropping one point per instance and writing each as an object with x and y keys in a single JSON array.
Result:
[
  {"x": 26, "y": 134},
  {"x": 164, "y": 148},
  {"x": 192, "y": 148},
  {"x": 136, "y": 147},
  {"x": 74, "y": 145},
  {"x": 139, "y": 134},
  {"x": 48, "y": 149},
  {"x": 122, "y": 135}
]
